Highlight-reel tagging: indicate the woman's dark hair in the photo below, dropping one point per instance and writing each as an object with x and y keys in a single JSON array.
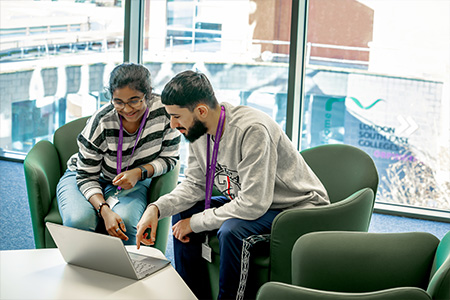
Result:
[
  {"x": 188, "y": 89},
  {"x": 130, "y": 75}
]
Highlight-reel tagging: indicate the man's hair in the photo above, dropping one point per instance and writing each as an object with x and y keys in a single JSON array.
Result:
[
  {"x": 134, "y": 76},
  {"x": 188, "y": 89}
]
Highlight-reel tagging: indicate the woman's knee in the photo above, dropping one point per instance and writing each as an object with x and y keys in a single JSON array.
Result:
[
  {"x": 130, "y": 212},
  {"x": 84, "y": 221}
]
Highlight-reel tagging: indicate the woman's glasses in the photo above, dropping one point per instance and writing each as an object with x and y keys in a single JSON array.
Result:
[{"x": 119, "y": 104}]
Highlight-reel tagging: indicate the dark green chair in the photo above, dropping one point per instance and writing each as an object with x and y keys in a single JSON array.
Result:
[
  {"x": 351, "y": 179},
  {"x": 45, "y": 164},
  {"x": 375, "y": 266}
]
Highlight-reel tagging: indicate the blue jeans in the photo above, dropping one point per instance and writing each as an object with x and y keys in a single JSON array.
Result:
[
  {"x": 188, "y": 258},
  {"x": 76, "y": 211}
]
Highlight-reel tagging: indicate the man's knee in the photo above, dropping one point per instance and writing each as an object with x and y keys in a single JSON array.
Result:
[
  {"x": 196, "y": 208},
  {"x": 176, "y": 218},
  {"x": 229, "y": 229}
]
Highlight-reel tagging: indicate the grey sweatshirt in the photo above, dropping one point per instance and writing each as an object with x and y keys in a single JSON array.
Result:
[{"x": 257, "y": 168}]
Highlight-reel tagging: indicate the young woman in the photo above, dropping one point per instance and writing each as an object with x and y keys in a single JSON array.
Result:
[{"x": 123, "y": 145}]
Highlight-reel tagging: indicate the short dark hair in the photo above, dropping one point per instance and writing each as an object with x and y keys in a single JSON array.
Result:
[
  {"x": 188, "y": 89},
  {"x": 134, "y": 76}
]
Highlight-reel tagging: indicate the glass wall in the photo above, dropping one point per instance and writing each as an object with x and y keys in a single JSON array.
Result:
[
  {"x": 377, "y": 73},
  {"x": 377, "y": 77},
  {"x": 245, "y": 56},
  {"x": 54, "y": 58}
]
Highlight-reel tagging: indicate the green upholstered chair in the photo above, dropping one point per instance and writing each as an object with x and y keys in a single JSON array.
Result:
[
  {"x": 357, "y": 265},
  {"x": 277, "y": 290},
  {"x": 45, "y": 164},
  {"x": 351, "y": 179}
]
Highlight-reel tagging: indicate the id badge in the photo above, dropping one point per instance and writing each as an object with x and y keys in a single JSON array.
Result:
[{"x": 206, "y": 251}]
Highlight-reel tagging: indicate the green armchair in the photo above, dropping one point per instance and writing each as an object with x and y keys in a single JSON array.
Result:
[
  {"x": 356, "y": 265},
  {"x": 45, "y": 164},
  {"x": 351, "y": 179}
]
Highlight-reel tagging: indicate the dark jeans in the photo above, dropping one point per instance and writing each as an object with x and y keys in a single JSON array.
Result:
[{"x": 188, "y": 256}]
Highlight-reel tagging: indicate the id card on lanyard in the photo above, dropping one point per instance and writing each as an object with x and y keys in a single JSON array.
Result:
[{"x": 210, "y": 171}]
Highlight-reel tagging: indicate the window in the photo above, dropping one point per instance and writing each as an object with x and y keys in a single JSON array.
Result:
[
  {"x": 54, "y": 59},
  {"x": 245, "y": 56},
  {"x": 190, "y": 26},
  {"x": 377, "y": 74},
  {"x": 377, "y": 77}
]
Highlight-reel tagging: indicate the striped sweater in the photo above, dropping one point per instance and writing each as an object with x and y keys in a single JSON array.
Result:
[{"x": 97, "y": 155}]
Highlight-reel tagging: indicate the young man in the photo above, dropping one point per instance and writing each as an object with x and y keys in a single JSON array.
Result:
[{"x": 258, "y": 171}]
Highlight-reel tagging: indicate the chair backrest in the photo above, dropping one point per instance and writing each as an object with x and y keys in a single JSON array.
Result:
[
  {"x": 343, "y": 169},
  {"x": 65, "y": 140},
  {"x": 363, "y": 262},
  {"x": 351, "y": 214},
  {"x": 439, "y": 287}
]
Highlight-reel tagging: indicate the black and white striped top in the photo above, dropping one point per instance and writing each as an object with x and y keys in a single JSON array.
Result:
[{"x": 97, "y": 155}]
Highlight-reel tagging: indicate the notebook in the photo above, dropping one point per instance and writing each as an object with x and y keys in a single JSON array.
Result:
[{"x": 102, "y": 252}]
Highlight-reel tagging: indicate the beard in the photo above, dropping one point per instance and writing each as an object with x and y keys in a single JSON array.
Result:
[{"x": 195, "y": 131}]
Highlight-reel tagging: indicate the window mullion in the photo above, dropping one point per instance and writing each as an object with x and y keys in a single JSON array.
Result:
[
  {"x": 133, "y": 31},
  {"x": 296, "y": 77}
]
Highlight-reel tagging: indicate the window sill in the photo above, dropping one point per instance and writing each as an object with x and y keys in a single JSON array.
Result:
[{"x": 412, "y": 212}]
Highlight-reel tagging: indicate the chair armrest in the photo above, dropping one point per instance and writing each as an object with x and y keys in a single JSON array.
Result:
[
  {"x": 163, "y": 184},
  {"x": 351, "y": 214},
  {"x": 439, "y": 286},
  {"x": 160, "y": 186},
  {"x": 42, "y": 173},
  {"x": 277, "y": 290}
]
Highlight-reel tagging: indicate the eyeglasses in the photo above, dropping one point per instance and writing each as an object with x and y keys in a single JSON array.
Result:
[{"x": 119, "y": 104}]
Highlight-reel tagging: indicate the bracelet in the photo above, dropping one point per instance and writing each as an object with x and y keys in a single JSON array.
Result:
[{"x": 99, "y": 210}]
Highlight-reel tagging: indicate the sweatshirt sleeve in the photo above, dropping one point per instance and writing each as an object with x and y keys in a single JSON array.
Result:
[
  {"x": 257, "y": 171},
  {"x": 89, "y": 163},
  {"x": 187, "y": 193}
]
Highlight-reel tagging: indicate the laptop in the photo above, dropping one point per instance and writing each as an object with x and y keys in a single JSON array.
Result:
[{"x": 102, "y": 252}]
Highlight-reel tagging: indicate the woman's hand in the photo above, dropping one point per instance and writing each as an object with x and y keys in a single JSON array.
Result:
[
  {"x": 127, "y": 179},
  {"x": 114, "y": 224}
]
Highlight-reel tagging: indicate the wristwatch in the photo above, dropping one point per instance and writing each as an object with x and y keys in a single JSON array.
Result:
[{"x": 143, "y": 173}]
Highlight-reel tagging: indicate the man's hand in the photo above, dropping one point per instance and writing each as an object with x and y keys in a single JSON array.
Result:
[
  {"x": 148, "y": 220},
  {"x": 182, "y": 229}
]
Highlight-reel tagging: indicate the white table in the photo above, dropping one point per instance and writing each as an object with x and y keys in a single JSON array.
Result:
[{"x": 43, "y": 274}]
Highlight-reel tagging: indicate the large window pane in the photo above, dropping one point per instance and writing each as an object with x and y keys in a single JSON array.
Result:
[
  {"x": 241, "y": 45},
  {"x": 54, "y": 58},
  {"x": 377, "y": 77}
]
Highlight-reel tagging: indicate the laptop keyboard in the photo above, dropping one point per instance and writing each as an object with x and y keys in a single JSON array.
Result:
[{"x": 142, "y": 268}]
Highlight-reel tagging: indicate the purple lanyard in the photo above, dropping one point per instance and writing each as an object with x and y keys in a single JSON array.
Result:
[
  {"x": 211, "y": 166},
  {"x": 120, "y": 144}
]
